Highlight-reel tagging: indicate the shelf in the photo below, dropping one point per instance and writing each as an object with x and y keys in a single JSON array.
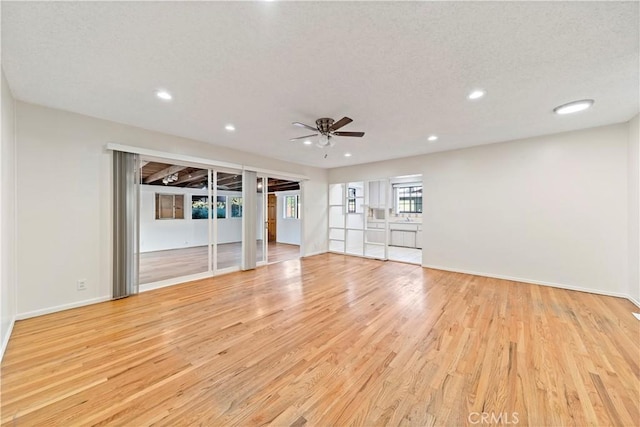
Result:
[
  {"x": 336, "y": 240},
  {"x": 355, "y": 229},
  {"x": 374, "y": 244}
]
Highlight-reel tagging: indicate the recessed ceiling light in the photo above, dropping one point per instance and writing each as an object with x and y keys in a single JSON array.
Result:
[
  {"x": 307, "y": 142},
  {"x": 432, "y": 138},
  {"x": 164, "y": 95},
  {"x": 477, "y": 94},
  {"x": 230, "y": 127},
  {"x": 347, "y": 154},
  {"x": 574, "y": 107}
]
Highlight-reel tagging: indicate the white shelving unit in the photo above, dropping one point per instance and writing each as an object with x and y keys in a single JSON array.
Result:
[
  {"x": 376, "y": 236},
  {"x": 359, "y": 223},
  {"x": 355, "y": 218},
  {"x": 337, "y": 218}
]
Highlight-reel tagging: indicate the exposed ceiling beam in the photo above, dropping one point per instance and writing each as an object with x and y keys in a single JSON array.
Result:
[
  {"x": 143, "y": 163},
  {"x": 284, "y": 187},
  {"x": 164, "y": 172},
  {"x": 193, "y": 176},
  {"x": 224, "y": 179}
]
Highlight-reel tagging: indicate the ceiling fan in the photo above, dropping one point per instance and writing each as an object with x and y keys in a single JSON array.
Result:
[{"x": 326, "y": 128}]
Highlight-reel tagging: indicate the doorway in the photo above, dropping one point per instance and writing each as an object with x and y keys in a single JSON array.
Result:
[
  {"x": 379, "y": 219},
  {"x": 283, "y": 222}
]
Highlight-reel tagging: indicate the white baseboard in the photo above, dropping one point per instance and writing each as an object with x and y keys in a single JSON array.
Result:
[
  {"x": 5, "y": 341},
  {"x": 314, "y": 254},
  {"x": 531, "y": 281},
  {"x": 176, "y": 281},
  {"x": 637, "y": 303},
  {"x": 48, "y": 310}
]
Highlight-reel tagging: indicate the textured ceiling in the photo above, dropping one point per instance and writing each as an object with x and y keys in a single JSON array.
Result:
[{"x": 400, "y": 70}]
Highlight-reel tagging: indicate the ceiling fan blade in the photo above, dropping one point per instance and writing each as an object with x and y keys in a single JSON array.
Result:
[
  {"x": 303, "y": 137},
  {"x": 358, "y": 134},
  {"x": 302, "y": 125},
  {"x": 342, "y": 122}
]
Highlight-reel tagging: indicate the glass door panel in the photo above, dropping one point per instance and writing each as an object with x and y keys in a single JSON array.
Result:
[
  {"x": 228, "y": 230},
  {"x": 173, "y": 221},
  {"x": 261, "y": 221}
]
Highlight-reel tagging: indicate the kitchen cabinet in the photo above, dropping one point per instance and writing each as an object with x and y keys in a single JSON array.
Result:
[
  {"x": 397, "y": 238},
  {"x": 375, "y": 236},
  {"x": 377, "y": 194},
  {"x": 406, "y": 235},
  {"x": 375, "y": 232},
  {"x": 403, "y": 238}
]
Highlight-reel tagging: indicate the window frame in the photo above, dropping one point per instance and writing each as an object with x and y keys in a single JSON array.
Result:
[
  {"x": 351, "y": 200},
  {"x": 296, "y": 206},
  {"x": 414, "y": 202},
  {"x": 176, "y": 200}
]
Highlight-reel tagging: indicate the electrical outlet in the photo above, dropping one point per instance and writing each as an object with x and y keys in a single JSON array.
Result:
[{"x": 82, "y": 284}]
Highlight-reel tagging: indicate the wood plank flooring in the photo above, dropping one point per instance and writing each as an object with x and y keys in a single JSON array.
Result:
[
  {"x": 168, "y": 264},
  {"x": 330, "y": 340}
]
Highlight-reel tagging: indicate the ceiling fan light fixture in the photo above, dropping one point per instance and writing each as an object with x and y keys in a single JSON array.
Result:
[{"x": 324, "y": 141}]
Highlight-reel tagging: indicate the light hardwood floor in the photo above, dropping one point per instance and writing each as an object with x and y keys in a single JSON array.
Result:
[
  {"x": 329, "y": 340},
  {"x": 168, "y": 264}
]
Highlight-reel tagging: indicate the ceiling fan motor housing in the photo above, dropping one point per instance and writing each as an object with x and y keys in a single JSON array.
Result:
[{"x": 324, "y": 125}]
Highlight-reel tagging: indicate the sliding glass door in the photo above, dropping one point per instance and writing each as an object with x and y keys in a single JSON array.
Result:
[
  {"x": 173, "y": 211},
  {"x": 228, "y": 220},
  {"x": 197, "y": 218}
]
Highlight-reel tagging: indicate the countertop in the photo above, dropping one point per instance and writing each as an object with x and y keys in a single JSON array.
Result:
[{"x": 396, "y": 221}]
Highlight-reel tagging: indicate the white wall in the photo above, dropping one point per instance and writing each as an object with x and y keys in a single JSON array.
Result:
[
  {"x": 8, "y": 273},
  {"x": 550, "y": 209},
  {"x": 634, "y": 210},
  {"x": 287, "y": 229},
  {"x": 159, "y": 235},
  {"x": 67, "y": 230}
]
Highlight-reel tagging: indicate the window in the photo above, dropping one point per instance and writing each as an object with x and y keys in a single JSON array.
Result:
[
  {"x": 351, "y": 200},
  {"x": 169, "y": 206},
  {"x": 199, "y": 207},
  {"x": 291, "y": 207},
  {"x": 221, "y": 206},
  {"x": 408, "y": 199},
  {"x": 236, "y": 207}
]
